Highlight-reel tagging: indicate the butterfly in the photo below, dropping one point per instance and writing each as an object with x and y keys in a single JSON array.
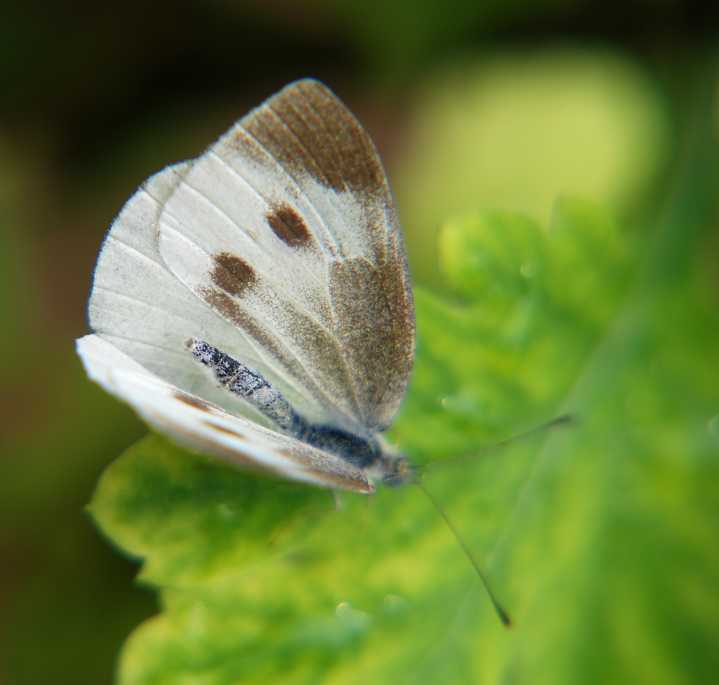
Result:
[{"x": 255, "y": 303}]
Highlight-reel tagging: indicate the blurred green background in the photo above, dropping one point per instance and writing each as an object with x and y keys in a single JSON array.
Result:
[{"x": 474, "y": 105}]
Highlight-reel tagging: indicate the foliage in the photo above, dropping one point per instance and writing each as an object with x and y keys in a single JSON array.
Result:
[{"x": 600, "y": 539}]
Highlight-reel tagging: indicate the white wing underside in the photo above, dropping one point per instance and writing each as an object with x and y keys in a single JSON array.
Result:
[{"x": 278, "y": 246}]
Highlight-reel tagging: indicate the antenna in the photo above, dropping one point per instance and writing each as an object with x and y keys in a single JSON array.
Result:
[
  {"x": 501, "y": 612},
  {"x": 557, "y": 422},
  {"x": 562, "y": 420}
]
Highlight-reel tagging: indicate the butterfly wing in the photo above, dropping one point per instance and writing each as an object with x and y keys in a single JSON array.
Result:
[
  {"x": 286, "y": 229},
  {"x": 280, "y": 247},
  {"x": 205, "y": 426},
  {"x": 139, "y": 305}
]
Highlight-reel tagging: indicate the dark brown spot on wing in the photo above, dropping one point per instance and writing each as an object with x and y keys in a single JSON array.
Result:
[
  {"x": 289, "y": 226},
  {"x": 232, "y": 274},
  {"x": 192, "y": 401},
  {"x": 224, "y": 429}
]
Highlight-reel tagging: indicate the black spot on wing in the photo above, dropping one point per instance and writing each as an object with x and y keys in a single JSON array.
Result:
[
  {"x": 289, "y": 226},
  {"x": 232, "y": 274}
]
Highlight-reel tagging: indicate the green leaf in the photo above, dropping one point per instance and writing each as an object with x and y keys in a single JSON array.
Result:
[{"x": 600, "y": 539}]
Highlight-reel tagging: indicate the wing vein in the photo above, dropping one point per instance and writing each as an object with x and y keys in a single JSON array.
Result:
[
  {"x": 149, "y": 305},
  {"x": 131, "y": 248},
  {"x": 327, "y": 135},
  {"x": 154, "y": 346}
]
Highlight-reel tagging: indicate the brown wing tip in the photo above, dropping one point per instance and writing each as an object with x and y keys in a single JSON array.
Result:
[{"x": 305, "y": 84}]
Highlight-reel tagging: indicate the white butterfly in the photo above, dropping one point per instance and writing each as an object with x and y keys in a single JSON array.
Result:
[{"x": 255, "y": 303}]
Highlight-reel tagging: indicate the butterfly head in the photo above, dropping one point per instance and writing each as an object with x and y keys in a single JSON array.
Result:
[{"x": 396, "y": 470}]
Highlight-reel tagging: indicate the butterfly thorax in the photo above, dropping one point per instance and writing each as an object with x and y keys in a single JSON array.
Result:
[{"x": 369, "y": 454}]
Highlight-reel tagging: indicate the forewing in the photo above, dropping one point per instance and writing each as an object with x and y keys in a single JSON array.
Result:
[
  {"x": 207, "y": 427},
  {"x": 286, "y": 228}
]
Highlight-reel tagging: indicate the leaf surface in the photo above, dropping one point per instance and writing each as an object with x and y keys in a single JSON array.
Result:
[{"x": 600, "y": 539}]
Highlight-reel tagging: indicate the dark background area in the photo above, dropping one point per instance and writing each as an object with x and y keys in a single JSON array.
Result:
[{"x": 95, "y": 97}]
